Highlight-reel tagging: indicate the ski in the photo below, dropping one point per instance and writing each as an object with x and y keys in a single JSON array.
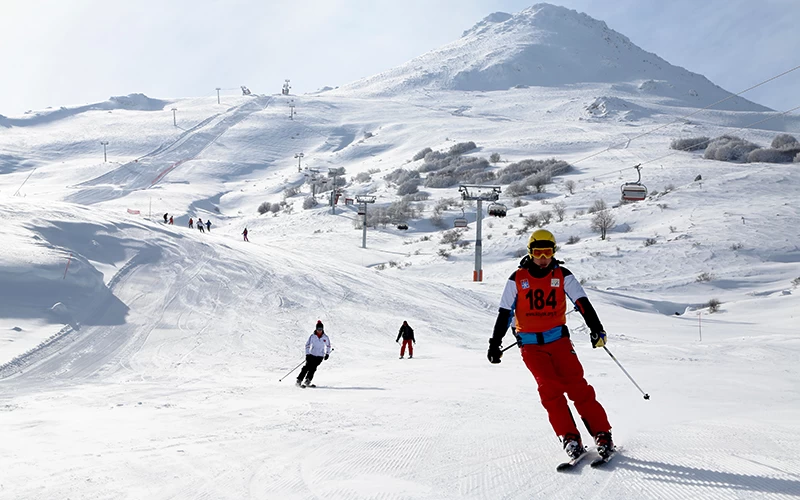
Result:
[
  {"x": 602, "y": 460},
  {"x": 568, "y": 466}
]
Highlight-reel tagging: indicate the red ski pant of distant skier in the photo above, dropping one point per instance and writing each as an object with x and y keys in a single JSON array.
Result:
[
  {"x": 557, "y": 370},
  {"x": 410, "y": 345}
]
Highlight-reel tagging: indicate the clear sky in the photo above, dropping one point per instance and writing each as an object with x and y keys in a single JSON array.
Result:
[{"x": 73, "y": 52}]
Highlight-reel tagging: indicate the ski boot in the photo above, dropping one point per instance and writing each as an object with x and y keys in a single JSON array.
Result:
[
  {"x": 309, "y": 384},
  {"x": 605, "y": 445},
  {"x": 573, "y": 446},
  {"x": 299, "y": 383}
]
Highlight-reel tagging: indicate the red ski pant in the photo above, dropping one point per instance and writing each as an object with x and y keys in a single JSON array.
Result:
[
  {"x": 557, "y": 370},
  {"x": 410, "y": 348}
]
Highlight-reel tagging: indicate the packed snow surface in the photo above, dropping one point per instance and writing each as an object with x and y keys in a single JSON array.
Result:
[{"x": 140, "y": 359}]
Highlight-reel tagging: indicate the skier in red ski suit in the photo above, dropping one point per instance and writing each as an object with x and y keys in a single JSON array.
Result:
[{"x": 536, "y": 294}]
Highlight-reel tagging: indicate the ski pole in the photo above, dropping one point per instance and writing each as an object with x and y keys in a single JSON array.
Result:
[
  {"x": 293, "y": 369},
  {"x": 646, "y": 396},
  {"x": 509, "y": 347}
]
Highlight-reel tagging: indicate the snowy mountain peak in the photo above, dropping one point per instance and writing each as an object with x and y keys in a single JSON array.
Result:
[
  {"x": 546, "y": 46},
  {"x": 486, "y": 22}
]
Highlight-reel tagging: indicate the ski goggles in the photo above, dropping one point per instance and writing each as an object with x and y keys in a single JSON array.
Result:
[{"x": 539, "y": 253}]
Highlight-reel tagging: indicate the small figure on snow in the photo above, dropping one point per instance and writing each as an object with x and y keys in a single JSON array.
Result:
[
  {"x": 538, "y": 292},
  {"x": 244, "y": 233},
  {"x": 166, "y": 215},
  {"x": 171, "y": 221},
  {"x": 408, "y": 340},
  {"x": 191, "y": 223},
  {"x": 208, "y": 225},
  {"x": 318, "y": 349},
  {"x": 200, "y": 225}
]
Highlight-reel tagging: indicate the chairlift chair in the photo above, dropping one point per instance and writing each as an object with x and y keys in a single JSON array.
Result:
[
  {"x": 362, "y": 208},
  {"x": 402, "y": 227},
  {"x": 497, "y": 210},
  {"x": 634, "y": 191},
  {"x": 460, "y": 222}
]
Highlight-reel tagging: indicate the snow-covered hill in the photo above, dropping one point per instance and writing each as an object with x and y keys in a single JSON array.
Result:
[
  {"x": 141, "y": 359},
  {"x": 546, "y": 46}
]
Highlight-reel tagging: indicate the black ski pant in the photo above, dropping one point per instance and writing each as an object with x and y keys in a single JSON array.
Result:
[{"x": 312, "y": 362}]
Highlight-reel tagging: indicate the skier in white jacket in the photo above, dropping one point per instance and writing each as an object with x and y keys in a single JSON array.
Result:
[{"x": 318, "y": 348}]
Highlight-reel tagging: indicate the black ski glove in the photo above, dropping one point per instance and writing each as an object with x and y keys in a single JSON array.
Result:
[
  {"x": 598, "y": 339},
  {"x": 494, "y": 353},
  {"x": 326, "y": 357}
]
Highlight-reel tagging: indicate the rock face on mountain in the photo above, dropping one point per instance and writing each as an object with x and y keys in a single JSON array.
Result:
[{"x": 546, "y": 46}]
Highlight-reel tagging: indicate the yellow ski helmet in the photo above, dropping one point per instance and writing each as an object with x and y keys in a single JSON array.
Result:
[{"x": 541, "y": 238}]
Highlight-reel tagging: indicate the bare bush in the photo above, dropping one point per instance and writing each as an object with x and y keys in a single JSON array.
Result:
[
  {"x": 713, "y": 305},
  {"x": 560, "y": 209},
  {"x": 494, "y": 158},
  {"x": 650, "y": 242},
  {"x": 530, "y": 221},
  {"x": 602, "y": 221},
  {"x": 691, "y": 144},
  {"x": 443, "y": 253},
  {"x": 309, "y": 202},
  {"x": 451, "y": 237},
  {"x": 422, "y": 154},
  {"x": 411, "y": 186},
  {"x": 461, "y": 148},
  {"x": 597, "y": 206},
  {"x": 264, "y": 208},
  {"x": 400, "y": 176},
  {"x": 704, "y": 277},
  {"x": 362, "y": 177},
  {"x": 729, "y": 148},
  {"x": 570, "y": 186},
  {"x": 289, "y": 192},
  {"x": 418, "y": 196},
  {"x": 516, "y": 190},
  {"x": 524, "y": 169},
  {"x": 573, "y": 239},
  {"x": 769, "y": 155},
  {"x": 785, "y": 141}
]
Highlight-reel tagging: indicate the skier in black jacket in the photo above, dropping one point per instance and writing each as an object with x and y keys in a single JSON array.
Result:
[{"x": 408, "y": 340}]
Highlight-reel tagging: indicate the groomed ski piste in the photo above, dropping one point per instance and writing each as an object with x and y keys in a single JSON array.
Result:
[{"x": 142, "y": 360}]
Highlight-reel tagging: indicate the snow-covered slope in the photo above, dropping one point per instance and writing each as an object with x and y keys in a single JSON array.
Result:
[
  {"x": 546, "y": 46},
  {"x": 141, "y": 359}
]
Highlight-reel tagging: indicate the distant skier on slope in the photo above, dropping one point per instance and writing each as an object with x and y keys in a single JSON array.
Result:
[
  {"x": 208, "y": 225},
  {"x": 244, "y": 233},
  {"x": 191, "y": 223},
  {"x": 318, "y": 348},
  {"x": 166, "y": 215},
  {"x": 408, "y": 340},
  {"x": 536, "y": 294},
  {"x": 200, "y": 225},
  {"x": 171, "y": 220}
]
